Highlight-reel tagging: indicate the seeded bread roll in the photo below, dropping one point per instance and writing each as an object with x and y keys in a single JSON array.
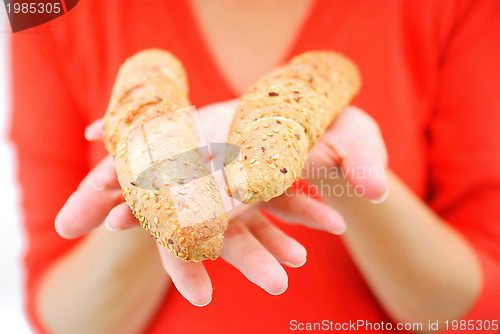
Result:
[
  {"x": 150, "y": 133},
  {"x": 281, "y": 117}
]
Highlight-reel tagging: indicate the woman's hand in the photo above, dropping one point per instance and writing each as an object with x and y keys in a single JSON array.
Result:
[
  {"x": 352, "y": 148},
  {"x": 252, "y": 244}
]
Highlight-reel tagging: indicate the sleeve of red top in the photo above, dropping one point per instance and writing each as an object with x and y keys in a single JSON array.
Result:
[
  {"x": 465, "y": 143},
  {"x": 47, "y": 132}
]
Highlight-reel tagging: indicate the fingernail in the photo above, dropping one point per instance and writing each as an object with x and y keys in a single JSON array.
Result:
[
  {"x": 338, "y": 220},
  {"x": 89, "y": 134},
  {"x": 277, "y": 294},
  {"x": 341, "y": 231},
  {"x": 295, "y": 265},
  {"x": 86, "y": 134},
  {"x": 112, "y": 229},
  {"x": 381, "y": 198},
  {"x": 201, "y": 305},
  {"x": 98, "y": 185}
]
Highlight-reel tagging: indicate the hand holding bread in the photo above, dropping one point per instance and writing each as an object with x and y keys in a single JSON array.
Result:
[
  {"x": 263, "y": 246},
  {"x": 281, "y": 117},
  {"x": 149, "y": 132}
]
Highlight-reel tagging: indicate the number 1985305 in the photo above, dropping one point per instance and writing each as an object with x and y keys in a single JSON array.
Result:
[
  {"x": 472, "y": 325},
  {"x": 34, "y": 7}
]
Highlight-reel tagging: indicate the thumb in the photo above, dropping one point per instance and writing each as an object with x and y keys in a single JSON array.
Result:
[
  {"x": 355, "y": 144},
  {"x": 93, "y": 132}
]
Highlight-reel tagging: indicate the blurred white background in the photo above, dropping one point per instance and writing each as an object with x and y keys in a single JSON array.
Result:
[{"x": 12, "y": 319}]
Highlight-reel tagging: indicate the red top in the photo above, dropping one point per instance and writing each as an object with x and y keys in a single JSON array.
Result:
[{"x": 431, "y": 73}]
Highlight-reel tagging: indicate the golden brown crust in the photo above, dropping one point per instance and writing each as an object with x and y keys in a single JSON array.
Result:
[
  {"x": 150, "y": 133},
  {"x": 306, "y": 94},
  {"x": 270, "y": 158}
]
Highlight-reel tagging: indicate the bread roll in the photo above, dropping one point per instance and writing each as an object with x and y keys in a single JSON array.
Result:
[
  {"x": 150, "y": 133},
  {"x": 281, "y": 117}
]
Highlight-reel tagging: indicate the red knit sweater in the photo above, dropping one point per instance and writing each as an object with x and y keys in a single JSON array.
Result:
[{"x": 431, "y": 79}]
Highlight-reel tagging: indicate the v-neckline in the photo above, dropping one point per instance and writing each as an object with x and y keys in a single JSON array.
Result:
[{"x": 209, "y": 59}]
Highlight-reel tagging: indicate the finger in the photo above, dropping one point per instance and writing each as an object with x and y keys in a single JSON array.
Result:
[
  {"x": 243, "y": 251},
  {"x": 215, "y": 120},
  {"x": 120, "y": 218},
  {"x": 233, "y": 207},
  {"x": 87, "y": 207},
  {"x": 366, "y": 172},
  {"x": 190, "y": 278},
  {"x": 355, "y": 143},
  {"x": 284, "y": 248},
  {"x": 355, "y": 130},
  {"x": 93, "y": 132},
  {"x": 103, "y": 176},
  {"x": 295, "y": 208},
  {"x": 84, "y": 210}
]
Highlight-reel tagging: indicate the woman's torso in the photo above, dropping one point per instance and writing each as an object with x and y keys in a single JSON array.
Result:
[{"x": 397, "y": 47}]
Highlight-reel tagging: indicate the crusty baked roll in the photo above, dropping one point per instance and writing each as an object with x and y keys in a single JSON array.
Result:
[
  {"x": 281, "y": 117},
  {"x": 150, "y": 133}
]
